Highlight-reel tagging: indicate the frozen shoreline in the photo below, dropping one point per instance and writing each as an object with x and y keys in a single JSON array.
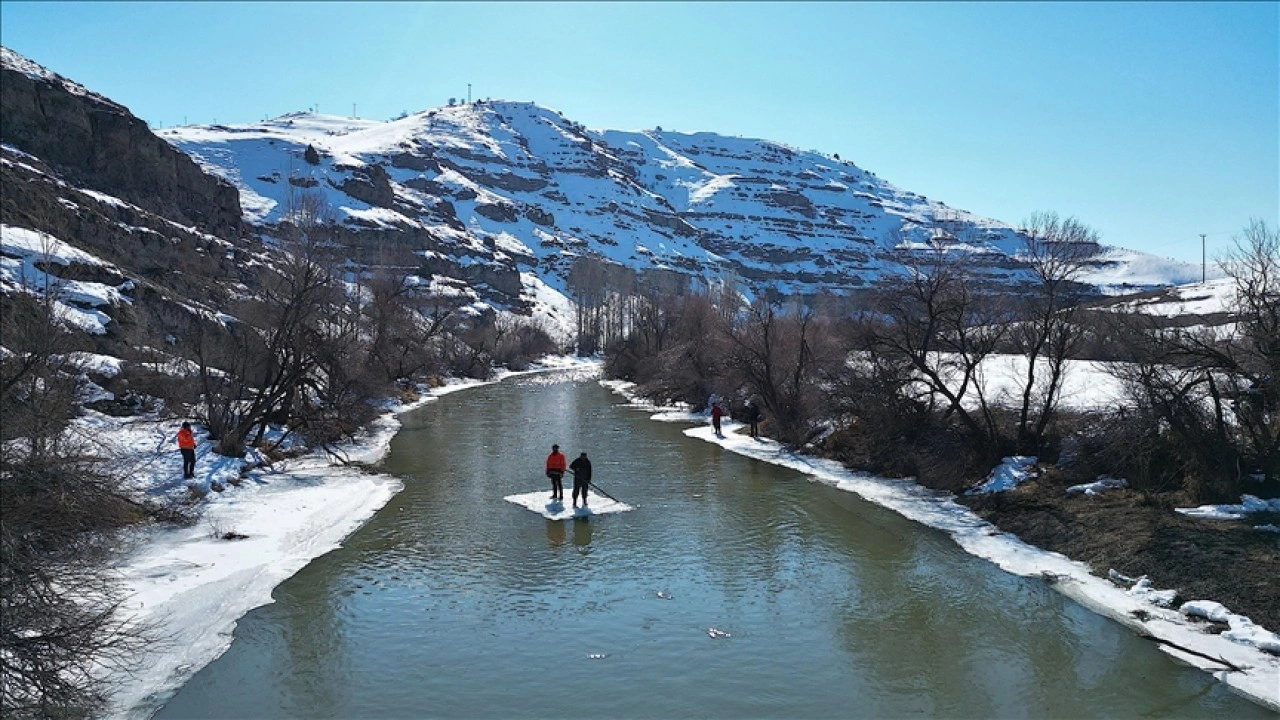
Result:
[{"x": 1260, "y": 682}]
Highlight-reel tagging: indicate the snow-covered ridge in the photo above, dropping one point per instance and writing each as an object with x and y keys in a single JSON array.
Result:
[
  {"x": 11, "y": 60},
  {"x": 698, "y": 203}
]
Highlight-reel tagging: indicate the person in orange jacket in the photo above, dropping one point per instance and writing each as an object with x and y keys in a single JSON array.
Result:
[
  {"x": 555, "y": 470},
  {"x": 187, "y": 444}
]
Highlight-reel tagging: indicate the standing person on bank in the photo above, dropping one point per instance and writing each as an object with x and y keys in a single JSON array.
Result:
[
  {"x": 555, "y": 471},
  {"x": 581, "y": 469},
  {"x": 716, "y": 413},
  {"x": 753, "y": 417},
  {"x": 187, "y": 445}
]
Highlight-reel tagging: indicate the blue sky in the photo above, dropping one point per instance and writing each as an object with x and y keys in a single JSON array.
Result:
[{"x": 1151, "y": 122}]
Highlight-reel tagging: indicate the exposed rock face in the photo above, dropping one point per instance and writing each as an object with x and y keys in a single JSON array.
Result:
[
  {"x": 539, "y": 216},
  {"x": 161, "y": 267},
  {"x": 414, "y": 162},
  {"x": 497, "y": 212},
  {"x": 99, "y": 144},
  {"x": 371, "y": 185}
]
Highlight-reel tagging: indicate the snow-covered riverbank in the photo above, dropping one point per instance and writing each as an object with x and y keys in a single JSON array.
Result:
[{"x": 1138, "y": 607}]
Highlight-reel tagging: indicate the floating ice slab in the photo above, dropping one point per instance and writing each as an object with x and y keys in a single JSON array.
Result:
[{"x": 541, "y": 503}]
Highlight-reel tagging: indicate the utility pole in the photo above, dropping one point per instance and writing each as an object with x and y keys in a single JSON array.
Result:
[
  {"x": 468, "y": 93},
  {"x": 1202, "y": 258},
  {"x": 353, "y": 110}
]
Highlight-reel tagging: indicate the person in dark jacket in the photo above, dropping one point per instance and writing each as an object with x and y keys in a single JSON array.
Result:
[
  {"x": 581, "y": 469},
  {"x": 753, "y": 418}
]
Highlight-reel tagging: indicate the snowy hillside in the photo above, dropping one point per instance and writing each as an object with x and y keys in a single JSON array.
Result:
[{"x": 519, "y": 187}]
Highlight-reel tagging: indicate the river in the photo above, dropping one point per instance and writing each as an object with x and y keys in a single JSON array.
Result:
[{"x": 734, "y": 589}]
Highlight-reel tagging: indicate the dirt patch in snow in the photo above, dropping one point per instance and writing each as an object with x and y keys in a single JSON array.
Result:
[{"x": 1138, "y": 533}]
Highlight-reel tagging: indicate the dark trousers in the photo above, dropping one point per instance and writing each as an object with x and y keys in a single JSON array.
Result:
[
  {"x": 580, "y": 485},
  {"x": 557, "y": 489},
  {"x": 188, "y": 462}
]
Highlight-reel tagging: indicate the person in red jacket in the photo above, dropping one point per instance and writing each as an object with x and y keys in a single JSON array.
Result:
[
  {"x": 717, "y": 412},
  {"x": 187, "y": 444},
  {"x": 555, "y": 470}
]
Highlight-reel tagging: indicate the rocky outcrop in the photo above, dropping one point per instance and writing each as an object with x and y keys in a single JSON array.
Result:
[
  {"x": 412, "y": 161},
  {"x": 370, "y": 184},
  {"x": 496, "y": 212},
  {"x": 98, "y": 144},
  {"x": 791, "y": 199},
  {"x": 539, "y": 216}
]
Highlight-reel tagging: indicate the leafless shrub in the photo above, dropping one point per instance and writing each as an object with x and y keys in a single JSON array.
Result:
[
  {"x": 58, "y": 511},
  {"x": 1207, "y": 398},
  {"x": 220, "y": 531}
]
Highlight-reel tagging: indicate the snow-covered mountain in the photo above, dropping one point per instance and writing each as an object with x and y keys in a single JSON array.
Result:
[
  {"x": 490, "y": 202},
  {"x": 512, "y": 187}
]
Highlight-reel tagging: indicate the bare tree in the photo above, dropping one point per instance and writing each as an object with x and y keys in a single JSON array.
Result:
[
  {"x": 1047, "y": 330},
  {"x": 778, "y": 352},
  {"x": 406, "y": 318},
  {"x": 652, "y": 315},
  {"x": 1254, "y": 265},
  {"x": 692, "y": 357},
  {"x": 587, "y": 285},
  {"x": 933, "y": 321},
  {"x": 280, "y": 334}
]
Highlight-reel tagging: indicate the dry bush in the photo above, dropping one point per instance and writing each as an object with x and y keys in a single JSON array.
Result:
[
  {"x": 1128, "y": 442},
  {"x": 58, "y": 512}
]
